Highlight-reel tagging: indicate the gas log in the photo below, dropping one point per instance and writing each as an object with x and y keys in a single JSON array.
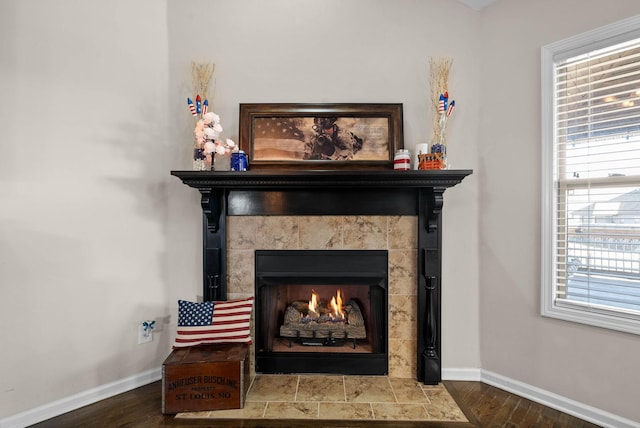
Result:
[{"x": 301, "y": 322}]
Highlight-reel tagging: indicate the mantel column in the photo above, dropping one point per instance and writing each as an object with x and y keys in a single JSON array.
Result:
[
  {"x": 429, "y": 284},
  {"x": 214, "y": 243}
]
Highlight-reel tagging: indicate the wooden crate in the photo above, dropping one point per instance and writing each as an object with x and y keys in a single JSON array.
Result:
[{"x": 211, "y": 377}]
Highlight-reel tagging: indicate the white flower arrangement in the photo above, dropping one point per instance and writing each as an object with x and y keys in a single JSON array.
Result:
[
  {"x": 209, "y": 151},
  {"x": 207, "y": 140}
]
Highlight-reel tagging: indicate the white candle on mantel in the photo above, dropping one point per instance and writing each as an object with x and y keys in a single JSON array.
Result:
[{"x": 420, "y": 149}]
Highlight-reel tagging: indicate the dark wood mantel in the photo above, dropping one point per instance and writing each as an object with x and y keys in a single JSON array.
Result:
[
  {"x": 321, "y": 178},
  {"x": 334, "y": 192}
]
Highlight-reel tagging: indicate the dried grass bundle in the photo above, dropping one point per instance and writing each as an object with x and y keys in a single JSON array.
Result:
[
  {"x": 439, "y": 72},
  {"x": 201, "y": 75}
]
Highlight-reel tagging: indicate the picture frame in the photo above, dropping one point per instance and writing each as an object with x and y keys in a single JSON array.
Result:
[{"x": 320, "y": 136}]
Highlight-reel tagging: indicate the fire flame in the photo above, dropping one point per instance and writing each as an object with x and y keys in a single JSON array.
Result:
[
  {"x": 313, "y": 303},
  {"x": 335, "y": 305}
]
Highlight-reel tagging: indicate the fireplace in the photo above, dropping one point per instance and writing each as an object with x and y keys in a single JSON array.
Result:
[
  {"x": 335, "y": 193},
  {"x": 321, "y": 311}
]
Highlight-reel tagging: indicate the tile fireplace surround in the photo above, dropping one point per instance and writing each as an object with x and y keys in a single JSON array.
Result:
[
  {"x": 397, "y": 211},
  {"x": 245, "y": 234}
]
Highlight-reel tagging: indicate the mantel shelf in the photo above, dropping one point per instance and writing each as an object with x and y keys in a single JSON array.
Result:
[{"x": 317, "y": 179}]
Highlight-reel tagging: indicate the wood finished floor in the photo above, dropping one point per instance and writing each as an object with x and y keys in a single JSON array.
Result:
[{"x": 483, "y": 405}]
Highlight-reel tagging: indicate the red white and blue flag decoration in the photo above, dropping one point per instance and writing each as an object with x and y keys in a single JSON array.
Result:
[
  {"x": 452, "y": 104},
  {"x": 213, "y": 322},
  {"x": 192, "y": 108},
  {"x": 205, "y": 107},
  {"x": 442, "y": 102}
]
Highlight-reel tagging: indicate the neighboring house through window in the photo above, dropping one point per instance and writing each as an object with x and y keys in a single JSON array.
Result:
[{"x": 591, "y": 177}]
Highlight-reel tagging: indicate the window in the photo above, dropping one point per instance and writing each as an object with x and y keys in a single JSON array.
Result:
[{"x": 591, "y": 177}]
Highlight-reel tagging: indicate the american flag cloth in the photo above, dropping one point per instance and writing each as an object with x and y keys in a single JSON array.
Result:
[
  {"x": 278, "y": 128},
  {"x": 213, "y": 322}
]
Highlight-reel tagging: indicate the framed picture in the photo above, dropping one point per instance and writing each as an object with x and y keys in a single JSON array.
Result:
[{"x": 325, "y": 136}]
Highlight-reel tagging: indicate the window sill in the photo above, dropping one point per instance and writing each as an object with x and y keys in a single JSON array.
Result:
[{"x": 591, "y": 317}]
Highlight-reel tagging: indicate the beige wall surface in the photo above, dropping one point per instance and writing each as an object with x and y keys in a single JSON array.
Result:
[
  {"x": 587, "y": 364},
  {"x": 83, "y": 172}
]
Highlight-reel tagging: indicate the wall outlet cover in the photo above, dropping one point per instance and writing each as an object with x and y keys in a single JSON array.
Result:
[{"x": 144, "y": 336}]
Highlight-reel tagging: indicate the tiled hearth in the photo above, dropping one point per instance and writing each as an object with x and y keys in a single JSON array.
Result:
[
  {"x": 397, "y": 234},
  {"x": 341, "y": 398}
]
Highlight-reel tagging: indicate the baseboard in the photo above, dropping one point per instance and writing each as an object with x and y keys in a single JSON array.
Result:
[
  {"x": 555, "y": 401},
  {"x": 461, "y": 374},
  {"x": 81, "y": 399}
]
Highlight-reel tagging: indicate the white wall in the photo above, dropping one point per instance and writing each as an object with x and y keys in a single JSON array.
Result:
[
  {"x": 590, "y": 365},
  {"x": 83, "y": 195}
]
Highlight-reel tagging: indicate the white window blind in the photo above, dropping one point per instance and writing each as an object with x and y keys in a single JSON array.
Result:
[{"x": 595, "y": 200}]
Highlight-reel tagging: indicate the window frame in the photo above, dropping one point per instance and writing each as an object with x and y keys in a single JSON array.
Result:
[{"x": 589, "y": 41}]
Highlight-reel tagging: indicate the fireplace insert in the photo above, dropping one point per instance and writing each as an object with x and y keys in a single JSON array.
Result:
[{"x": 321, "y": 311}]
